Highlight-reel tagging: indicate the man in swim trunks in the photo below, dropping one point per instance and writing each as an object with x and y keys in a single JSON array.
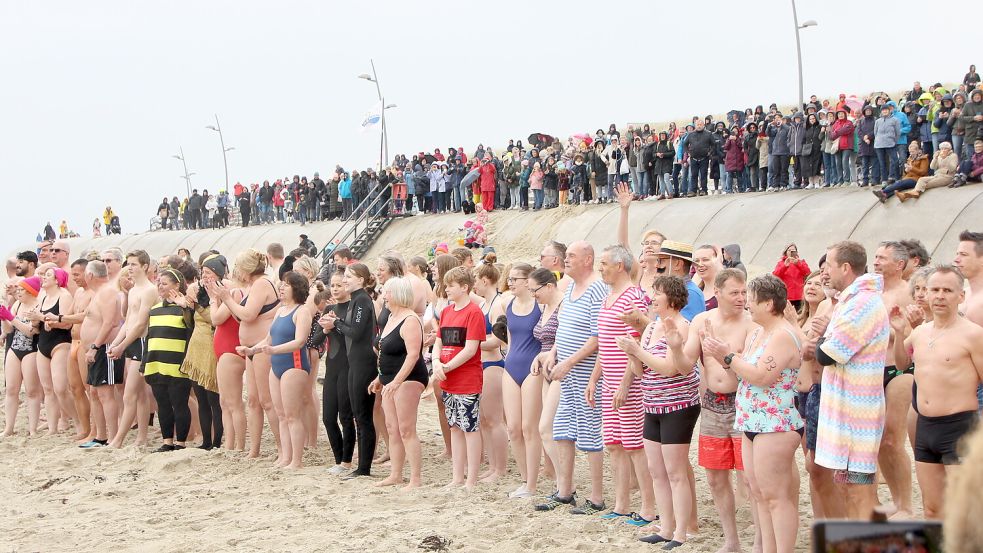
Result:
[
  {"x": 853, "y": 349},
  {"x": 622, "y": 425},
  {"x": 719, "y": 442},
  {"x": 130, "y": 346},
  {"x": 104, "y": 375},
  {"x": 948, "y": 352},
  {"x": 77, "y": 368},
  {"x": 571, "y": 361},
  {"x": 890, "y": 260}
]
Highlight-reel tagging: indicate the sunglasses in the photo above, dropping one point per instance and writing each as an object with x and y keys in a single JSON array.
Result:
[{"x": 58, "y": 250}]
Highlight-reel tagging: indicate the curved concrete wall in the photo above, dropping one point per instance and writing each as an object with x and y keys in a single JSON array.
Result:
[{"x": 761, "y": 223}]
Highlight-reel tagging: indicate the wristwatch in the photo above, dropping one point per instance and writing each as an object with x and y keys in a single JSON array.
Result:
[
  {"x": 93, "y": 346},
  {"x": 728, "y": 359}
]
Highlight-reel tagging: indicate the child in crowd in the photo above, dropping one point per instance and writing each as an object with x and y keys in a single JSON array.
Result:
[
  {"x": 462, "y": 329},
  {"x": 288, "y": 207},
  {"x": 580, "y": 176}
]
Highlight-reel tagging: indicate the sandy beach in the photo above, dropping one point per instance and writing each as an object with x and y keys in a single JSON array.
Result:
[{"x": 61, "y": 498}]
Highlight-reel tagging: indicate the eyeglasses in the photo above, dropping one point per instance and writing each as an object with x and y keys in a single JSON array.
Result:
[
  {"x": 58, "y": 250},
  {"x": 511, "y": 280},
  {"x": 534, "y": 290},
  {"x": 651, "y": 243},
  {"x": 110, "y": 260}
]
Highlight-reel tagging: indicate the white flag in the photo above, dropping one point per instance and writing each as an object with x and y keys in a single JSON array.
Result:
[{"x": 372, "y": 118}]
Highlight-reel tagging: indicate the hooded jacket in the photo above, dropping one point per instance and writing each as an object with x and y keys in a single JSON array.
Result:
[
  {"x": 751, "y": 152},
  {"x": 842, "y": 130},
  {"x": 734, "y": 251},
  {"x": 779, "y": 139},
  {"x": 796, "y": 134},
  {"x": 887, "y": 131},
  {"x": 972, "y": 108},
  {"x": 733, "y": 154},
  {"x": 903, "y": 122},
  {"x": 663, "y": 165},
  {"x": 865, "y": 128}
]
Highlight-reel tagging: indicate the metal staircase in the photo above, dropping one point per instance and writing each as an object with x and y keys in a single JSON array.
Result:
[{"x": 366, "y": 223}]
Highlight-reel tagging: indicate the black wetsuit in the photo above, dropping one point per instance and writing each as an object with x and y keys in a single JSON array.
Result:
[
  {"x": 336, "y": 407},
  {"x": 358, "y": 328}
]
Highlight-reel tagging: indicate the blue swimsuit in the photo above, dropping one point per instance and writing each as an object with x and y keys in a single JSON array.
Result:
[
  {"x": 284, "y": 330},
  {"x": 523, "y": 346}
]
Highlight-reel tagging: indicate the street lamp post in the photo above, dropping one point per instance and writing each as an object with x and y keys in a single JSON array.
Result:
[
  {"x": 187, "y": 175},
  {"x": 225, "y": 160},
  {"x": 798, "y": 49},
  {"x": 384, "y": 139}
]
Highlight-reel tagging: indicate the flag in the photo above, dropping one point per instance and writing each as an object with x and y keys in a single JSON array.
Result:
[{"x": 372, "y": 118}]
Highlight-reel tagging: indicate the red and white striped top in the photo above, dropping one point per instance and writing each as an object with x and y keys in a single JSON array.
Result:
[
  {"x": 614, "y": 362},
  {"x": 666, "y": 394}
]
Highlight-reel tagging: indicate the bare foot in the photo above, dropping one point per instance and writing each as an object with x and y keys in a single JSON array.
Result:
[
  {"x": 469, "y": 487},
  {"x": 253, "y": 455},
  {"x": 491, "y": 478},
  {"x": 384, "y": 458},
  {"x": 293, "y": 466},
  {"x": 729, "y": 549},
  {"x": 11, "y": 433},
  {"x": 445, "y": 455},
  {"x": 81, "y": 437},
  {"x": 392, "y": 480},
  {"x": 140, "y": 443},
  {"x": 453, "y": 485},
  {"x": 411, "y": 486}
]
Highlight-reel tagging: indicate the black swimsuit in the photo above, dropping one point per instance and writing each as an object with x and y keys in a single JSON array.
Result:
[
  {"x": 392, "y": 355},
  {"x": 21, "y": 344},
  {"x": 48, "y": 340}
]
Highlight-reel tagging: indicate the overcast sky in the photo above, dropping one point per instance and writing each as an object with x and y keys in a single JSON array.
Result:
[{"x": 97, "y": 96}]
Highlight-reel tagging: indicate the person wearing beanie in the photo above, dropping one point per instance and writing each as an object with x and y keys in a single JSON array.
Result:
[{"x": 21, "y": 356}]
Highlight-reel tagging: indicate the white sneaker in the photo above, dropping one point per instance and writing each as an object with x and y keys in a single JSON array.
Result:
[
  {"x": 520, "y": 493},
  {"x": 338, "y": 470}
]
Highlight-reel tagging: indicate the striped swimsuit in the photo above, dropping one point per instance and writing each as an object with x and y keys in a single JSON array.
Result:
[
  {"x": 622, "y": 427},
  {"x": 576, "y": 323}
]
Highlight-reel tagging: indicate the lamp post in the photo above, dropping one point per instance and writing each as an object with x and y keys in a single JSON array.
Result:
[
  {"x": 798, "y": 48},
  {"x": 384, "y": 139},
  {"x": 187, "y": 175},
  {"x": 225, "y": 161}
]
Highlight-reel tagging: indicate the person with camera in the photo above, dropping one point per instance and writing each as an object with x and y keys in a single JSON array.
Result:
[{"x": 793, "y": 270}]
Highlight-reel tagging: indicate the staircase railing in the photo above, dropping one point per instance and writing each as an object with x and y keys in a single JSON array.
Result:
[{"x": 369, "y": 210}]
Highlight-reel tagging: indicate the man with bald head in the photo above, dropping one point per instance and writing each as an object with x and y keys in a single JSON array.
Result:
[
  {"x": 104, "y": 375},
  {"x": 567, "y": 416},
  {"x": 60, "y": 252}
]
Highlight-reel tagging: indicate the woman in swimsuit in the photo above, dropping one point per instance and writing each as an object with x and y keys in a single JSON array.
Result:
[
  {"x": 491, "y": 410},
  {"x": 765, "y": 410},
  {"x": 545, "y": 289},
  {"x": 255, "y": 312},
  {"x": 402, "y": 378},
  {"x": 671, "y": 399},
  {"x": 308, "y": 268},
  {"x": 289, "y": 378},
  {"x": 807, "y": 397},
  {"x": 20, "y": 364},
  {"x": 522, "y": 391},
  {"x": 54, "y": 343},
  {"x": 231, "y": 366},
  {"x": 389, "y": 267}
]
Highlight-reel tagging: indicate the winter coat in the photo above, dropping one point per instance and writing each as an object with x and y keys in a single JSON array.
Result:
[
  {"x": 903, "y": 123},
  {"x": 793, "y": 275},
  {"x": 487, "y": 178},
  {"x": 699, "y": 144},
  {"x": 333, "y": 204},
  {"x": 887, "y": 132},
  {"x": 865, "y": 128},
  {"x": 763, "y": 143},
  {"x": 842, "y": 129},
  {"x": 796, "y": 136},
  {"x": 663, "y": 165},
  {"x": 972, "y": 108},
  {"x": 512, "y": 170},
  {"x": 733, "y": 155},
  {"x": 944, "y": 169},
  {"x": 580, "y": 176},
  {"x": 751, "y": 152},
  {"x": 917, "y": 168},
  {"x": 345, "y": 189},
  {"x": 598, "y": 163},
  {"x": 779, "y": 136}
]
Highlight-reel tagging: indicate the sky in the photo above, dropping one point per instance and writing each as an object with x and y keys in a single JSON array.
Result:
[{"x": 98, "y": 96}]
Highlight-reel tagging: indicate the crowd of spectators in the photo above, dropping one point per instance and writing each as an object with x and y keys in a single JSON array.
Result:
[{"x": 923, "y": 139}]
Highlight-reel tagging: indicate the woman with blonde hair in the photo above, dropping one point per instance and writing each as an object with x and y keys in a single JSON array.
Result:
[
  {"x": 402, "y": 379},
  {"x": 309, "y": 269},
  {"x": 491, "y": 410},
  {"x": 255, "y": 312}
]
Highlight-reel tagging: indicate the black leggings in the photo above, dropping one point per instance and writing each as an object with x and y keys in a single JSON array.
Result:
[
  {"x": 209, "y": 417},
  {"x": 335, "y": 408},
  {"x": 361, "y": 373},
  {"x": 172, "y": 406}
]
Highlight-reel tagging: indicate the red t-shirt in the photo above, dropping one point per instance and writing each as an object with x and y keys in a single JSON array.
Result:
[{"x": 456, "y": 328}]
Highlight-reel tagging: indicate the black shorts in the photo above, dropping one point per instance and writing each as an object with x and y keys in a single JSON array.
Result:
[
  {"x": 891, "y": 372},
  {"x": 937, "y": 438},
  {"x": 104, "y": 371},
  {"x": 136, "y": 350},
  {"x": 671, "y": 428}
]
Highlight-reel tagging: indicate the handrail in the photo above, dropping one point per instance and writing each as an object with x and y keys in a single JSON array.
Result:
[{"x": 362, "y": 211}]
